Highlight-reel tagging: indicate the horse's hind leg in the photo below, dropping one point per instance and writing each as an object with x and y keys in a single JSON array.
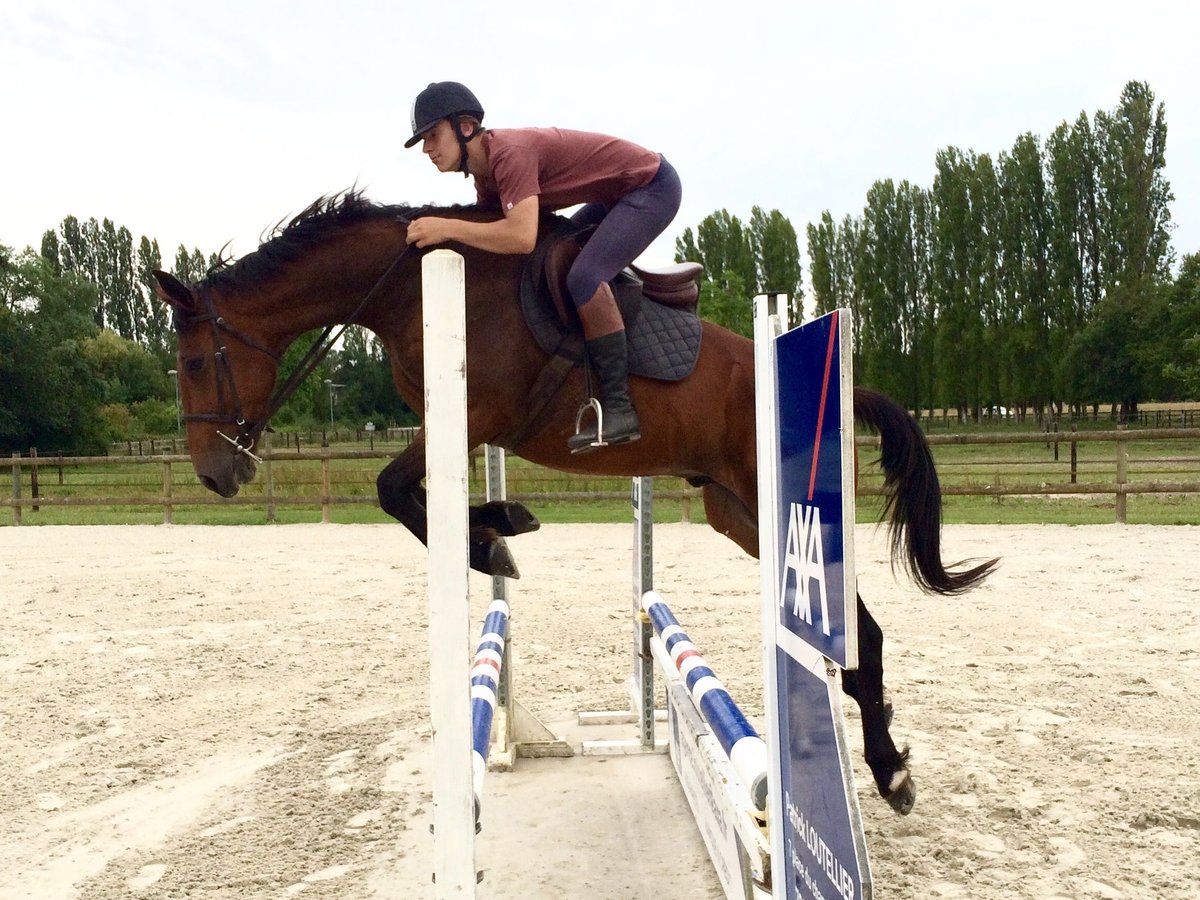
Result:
[
  {"x": 728, "y": 515},
  {"x": 888, "y": 765}
]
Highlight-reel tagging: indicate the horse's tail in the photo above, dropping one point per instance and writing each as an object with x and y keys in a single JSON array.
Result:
[{"x": 913, "y": 497}]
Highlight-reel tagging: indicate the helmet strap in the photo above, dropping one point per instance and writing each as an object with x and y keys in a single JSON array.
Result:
[{"x": 462, "y": 145}]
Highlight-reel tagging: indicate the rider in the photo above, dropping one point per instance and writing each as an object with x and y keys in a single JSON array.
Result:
[{"x": 629, "y": 193}]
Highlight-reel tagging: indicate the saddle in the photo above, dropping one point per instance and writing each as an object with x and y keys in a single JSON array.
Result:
[{"x": 658, "y": 306}]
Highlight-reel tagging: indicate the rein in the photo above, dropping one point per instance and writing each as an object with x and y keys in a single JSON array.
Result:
[{"x": 243, "y": 442}]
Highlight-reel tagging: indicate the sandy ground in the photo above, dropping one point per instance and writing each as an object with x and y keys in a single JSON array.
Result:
[{"x": 241, "y": 712}]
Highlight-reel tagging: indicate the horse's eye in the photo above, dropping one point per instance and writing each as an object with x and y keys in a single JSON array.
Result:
[{"x": 194, "y": 365}]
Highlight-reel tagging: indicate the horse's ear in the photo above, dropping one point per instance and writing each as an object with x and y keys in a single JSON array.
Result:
[{"x": 173, "y": 291}]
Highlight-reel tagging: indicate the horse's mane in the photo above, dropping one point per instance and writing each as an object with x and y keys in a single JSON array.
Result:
[{"x": 324, "y": 218}]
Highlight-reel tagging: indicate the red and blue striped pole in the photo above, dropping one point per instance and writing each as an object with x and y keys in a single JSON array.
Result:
[
  {"x": 485, "y": 680},
  {"x": 742, "y": 744}
]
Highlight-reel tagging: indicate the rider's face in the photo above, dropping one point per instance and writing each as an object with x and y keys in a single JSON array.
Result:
[{"x": 441, "y": 146}]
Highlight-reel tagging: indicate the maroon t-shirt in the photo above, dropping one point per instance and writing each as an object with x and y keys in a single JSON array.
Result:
[{"x": 561, "y": 168}]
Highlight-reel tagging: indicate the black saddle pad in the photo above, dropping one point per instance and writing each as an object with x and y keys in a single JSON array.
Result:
[{"x": 664, "y": 341}]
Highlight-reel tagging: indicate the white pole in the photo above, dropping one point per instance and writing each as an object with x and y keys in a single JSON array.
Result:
[
  {"x": 444, "y": 305},
  {"x": 770, "y": 320}
]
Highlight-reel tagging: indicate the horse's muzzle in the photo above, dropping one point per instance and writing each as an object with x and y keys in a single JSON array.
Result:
[
  {"x": 228, "y": 482},
  {"x": 225, "y": 489}
]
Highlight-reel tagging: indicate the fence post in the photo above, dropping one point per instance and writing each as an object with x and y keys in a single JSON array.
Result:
[
  {"x": 168, "y": 506},
  {"x": 33, "y": 477},
  {"x": 1074, "y": 455},
  {"x": 1122, "y": 466},
  {"x": 325, "y": 485},
  {"x": 269, "y": 474},
  {"x": 16, "y": 483}
]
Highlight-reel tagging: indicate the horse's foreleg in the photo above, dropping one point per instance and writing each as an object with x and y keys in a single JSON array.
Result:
[
  {"x": 402, "y": 497},
  {"x": 888, "y": 765},
  {"x": 506, "y": 517},
  {"x": 399, "y": 489}
]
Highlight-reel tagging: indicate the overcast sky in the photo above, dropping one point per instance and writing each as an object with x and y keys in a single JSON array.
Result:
[{"x": 208, "y": 122}]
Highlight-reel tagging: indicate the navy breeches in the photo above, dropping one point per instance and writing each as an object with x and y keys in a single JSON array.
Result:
[{"x": 623, "y": 231}]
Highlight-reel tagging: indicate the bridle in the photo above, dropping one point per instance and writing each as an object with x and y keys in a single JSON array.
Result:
[
  {"x": 243, "y": 442},
  {"x": 247, "y": 432}
]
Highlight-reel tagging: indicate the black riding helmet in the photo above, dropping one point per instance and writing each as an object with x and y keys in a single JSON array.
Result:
[{"x": 444, "y": 100}]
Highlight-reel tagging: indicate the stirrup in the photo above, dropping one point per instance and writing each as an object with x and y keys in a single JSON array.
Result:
[{"x": 593, "y": 404}]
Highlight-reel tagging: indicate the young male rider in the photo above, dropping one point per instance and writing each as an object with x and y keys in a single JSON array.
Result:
[{"x": 629, "y": 193}]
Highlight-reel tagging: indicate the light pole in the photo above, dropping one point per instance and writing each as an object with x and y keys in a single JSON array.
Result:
[
  {"x": 333, "y": 386},
  {"x": 174, "y": 373}
]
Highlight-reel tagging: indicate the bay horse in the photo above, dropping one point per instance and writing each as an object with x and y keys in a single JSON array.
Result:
[{"x": 345, "y": 259}]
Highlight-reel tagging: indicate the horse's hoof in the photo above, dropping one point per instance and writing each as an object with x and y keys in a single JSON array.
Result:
[
  {"x": 492, "y": 558},
  {"x": 506, "y": 517},
  {"x": 902, "y": 797}
]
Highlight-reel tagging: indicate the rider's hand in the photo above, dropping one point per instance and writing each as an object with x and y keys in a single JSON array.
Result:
[{"x": 430, "y": 230}]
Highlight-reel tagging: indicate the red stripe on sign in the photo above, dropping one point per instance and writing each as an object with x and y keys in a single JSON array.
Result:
[{"x": 812, "y": 476}]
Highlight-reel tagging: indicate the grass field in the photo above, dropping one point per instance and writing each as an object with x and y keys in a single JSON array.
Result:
[{"x": 297, "y": 487}]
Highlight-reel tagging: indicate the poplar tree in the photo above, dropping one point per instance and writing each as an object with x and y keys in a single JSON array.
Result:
[{"x": 1024, "y": 349}]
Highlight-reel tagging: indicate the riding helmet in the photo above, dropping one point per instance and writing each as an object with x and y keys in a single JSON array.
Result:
[{"x": 441, "y": 100}]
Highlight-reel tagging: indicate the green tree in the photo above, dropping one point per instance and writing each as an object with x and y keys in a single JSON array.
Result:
[
  {"x": 1136, "y": 196},
  {"x": 776, "y": 251},
  {"x": 685, "y": 247},
  {"x": 740, "y": 262},
  {"x": 1024, "y": 341},
  {"x": 1073, "y": 243},
  {"x": 959, "y": 246},
  {"x": 1135, "y": 245},
  {"x": 104, "y": 255},
  {"x": 127, "y": 372},
  {"x": 881, "y": 320},
  {"x": 1178, "y": 350},
  {"x": 155, "y": 322},
  {"x": 824, "y": 264},
  {"x": 369, "y": 394},
  {"x": 49, "y": 395}
]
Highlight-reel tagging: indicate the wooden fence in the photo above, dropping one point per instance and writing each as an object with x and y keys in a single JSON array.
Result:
[
  {"x": 308, "y": 478},
  {"x": 1121, "y": 463},
  {"x": 391, "y": 439}
]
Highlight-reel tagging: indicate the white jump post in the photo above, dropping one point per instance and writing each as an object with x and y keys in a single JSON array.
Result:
[{"x": 444, "y": 308}]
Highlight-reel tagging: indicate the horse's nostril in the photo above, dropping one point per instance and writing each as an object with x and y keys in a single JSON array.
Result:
[{"x": 209, "y": 483}]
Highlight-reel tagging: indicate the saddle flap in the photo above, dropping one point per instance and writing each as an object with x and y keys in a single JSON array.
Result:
[{"x": 559, "y": 258}]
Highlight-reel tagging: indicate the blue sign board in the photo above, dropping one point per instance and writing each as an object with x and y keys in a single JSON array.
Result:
[
  {"x": 816, "y": 445},
  {"x": 806, "y": 477},
  {"x": 824, "y": 851}
]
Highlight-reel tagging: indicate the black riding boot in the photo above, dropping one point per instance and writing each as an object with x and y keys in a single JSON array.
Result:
[{"x": 618, "y": 419}]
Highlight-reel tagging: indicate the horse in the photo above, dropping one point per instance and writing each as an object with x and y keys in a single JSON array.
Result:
[{"x": 344, "y": 259}]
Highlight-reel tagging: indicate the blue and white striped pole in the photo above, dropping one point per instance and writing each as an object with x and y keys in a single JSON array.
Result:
[
  {"x": 742, "y": 744},
  {"x": 485, "y": 681}
]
